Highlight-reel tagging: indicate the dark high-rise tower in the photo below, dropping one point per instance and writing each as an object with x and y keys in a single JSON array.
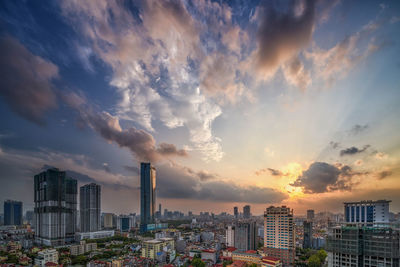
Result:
[
  {"x": 90, "y": 207},
  {"x": 307, "y": 237},
  {"x": 246, "y": 211},
  {"x": 55, "y": 198},
  {"x": 147, "y": 194},
  {"x": 236, "y": 212},
  {"x": 12, "y": 212}
]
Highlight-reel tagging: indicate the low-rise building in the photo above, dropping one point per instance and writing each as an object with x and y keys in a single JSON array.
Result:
[
  {"x": 209, "y": 255},
  {"x": 154, "y": 248},
  {"x": 270, "y": 262},
  {"x": 82, "y": 248},
  {"x": 249, "y": 256},
  {"x": 45, "y": 256},
  {"x": 94, "y": 235}
]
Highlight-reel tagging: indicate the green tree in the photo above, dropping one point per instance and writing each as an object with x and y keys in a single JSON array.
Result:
[
  {"x": 322, "y": 255},
  {"x": 196, "y": 262},
  {"x": 314, "y": 261}
]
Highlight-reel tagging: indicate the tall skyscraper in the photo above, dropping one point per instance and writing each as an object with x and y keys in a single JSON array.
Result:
[
  {"x": 55, "y": 198},
  {"x": 90, "y": 207},
  {"x": 367, "y": 211},
  {"x": 230, "y": 236},
  {"x": 310, "y": 215},
  {"x": 279, "y": 234},
  {"x": 245, "y": 236},
  {"x": 12, "y": 212},
  {"x": 236, "y": 212},
  {"x": 246, "y": 211},
  {"x": 147, "y": 195},
  {"x": 307, "y": 236}
]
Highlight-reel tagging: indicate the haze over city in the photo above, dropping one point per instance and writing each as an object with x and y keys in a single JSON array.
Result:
[{"x": 235, "y": 103}]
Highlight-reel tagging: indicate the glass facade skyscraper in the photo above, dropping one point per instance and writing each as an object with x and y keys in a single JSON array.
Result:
[
  {"x": 367, "y": 211},
  {"x": 12, "y": 212},
  {"x": 90, "y": 207},
  {"x": 55, "y": 198},
  {"x": 147, "y": 195}
]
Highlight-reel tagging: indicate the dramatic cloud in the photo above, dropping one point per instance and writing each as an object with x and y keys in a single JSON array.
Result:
[
  {"x": 353, "y": 150},
  {"x": 139, "y": 142},
  {"x": 173, "y": 183},
  {"x": 322, "y": 177},
  {"x": 296, "y": 74},
  {"x": 25, "y": 82},
  {"x": 282, "y": 35},
  {"x": 152, "y": 64}
]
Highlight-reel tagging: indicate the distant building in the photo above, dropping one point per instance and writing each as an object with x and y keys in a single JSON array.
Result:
[
  {"x": 108, "y": 221},
  {"x": 367, "y": 211},
  {"x": 46, "y": 256},
  {"x": 12, "y": 212},
  {"x": 230, "y": 236},
  {"x": 94, "y": 235},
  {"x": 147, "y": 195},
  {"x": 245, "y": 236},
  {"x": 279, "y": 234},
  {"x": 250, "y": 256},
  {"x": 307, "y": 236},
  {"x": 90, "y": 207},
  {"x": 236, "y": 212},
  {"x": 30, "y": 216},
  {"x": 55, "y": 198},
  {"x": 310, "y": 215},
  {"x": 209, "y": 255},
  {"x": 357, "y": 245},
  {"x": 246, "y": 212},
  {"x": 124, "y": 223}
]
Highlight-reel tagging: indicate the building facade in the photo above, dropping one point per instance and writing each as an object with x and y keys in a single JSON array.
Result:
[
  {"x": 310, "y": 215},
  {"x": 236, "y": 212},
  {"x": 245, "y": 236},
  {"x": 230, "y": 236},
  {"x": 90, "y": 207},
  {"x": 46, "y": 256},
  {"x": 307, "y": 234},
  {"x": 367, "y": 211},
  {"x": 153, "y": 248},
  {"x": 147, "y": 195},
  {"x": 279, "y": 234},
  {"x": 13, "y": 212},
  {"x": 108, "y": 220},
  {"x": 55, "y": 198},
  {"x": 356, "y": 245}
]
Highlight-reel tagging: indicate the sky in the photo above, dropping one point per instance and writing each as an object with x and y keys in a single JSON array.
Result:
[{"x": 263, "y": 103}]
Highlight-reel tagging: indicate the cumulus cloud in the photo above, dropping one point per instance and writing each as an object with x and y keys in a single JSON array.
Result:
[
  {"x": 323, "y": 177},
  {"x": 152, "y": 64},
  {"x": 139, "y": 142},
  {"x": 353, "y": 150},
  {"x": 172, "y": 183},
  {"x": 296, "y": 74},
  {"x": 25, "y": 82},
  {"x": 282, "y": 35}
]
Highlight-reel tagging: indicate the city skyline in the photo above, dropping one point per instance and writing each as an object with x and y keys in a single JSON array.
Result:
[{"x": 230, "y": 111}]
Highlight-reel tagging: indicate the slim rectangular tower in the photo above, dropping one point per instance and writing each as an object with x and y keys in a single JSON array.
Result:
[
  {"x": 147, "y": 195},
  {"x": 90, "y": 207},
  {"x": 55, "y": 198},
  {"x": 246, "y": 212},
  {"x": 12, "y": 212},
  {"x": 279, "y": 234}
]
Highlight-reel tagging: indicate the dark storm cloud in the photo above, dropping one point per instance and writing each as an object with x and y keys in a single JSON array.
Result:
[
  {"x": 173, "y": 183},
  {"x": 25, "y": 82},
  {"x": 322, "y": 177},
  {"x": 353, "y": 150},
  {"x": 139, "y": 142},
  {"x": 281, "y": 35},
  {"x": 384, "y": 174},
  {"x": 357, "y": 129}
]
